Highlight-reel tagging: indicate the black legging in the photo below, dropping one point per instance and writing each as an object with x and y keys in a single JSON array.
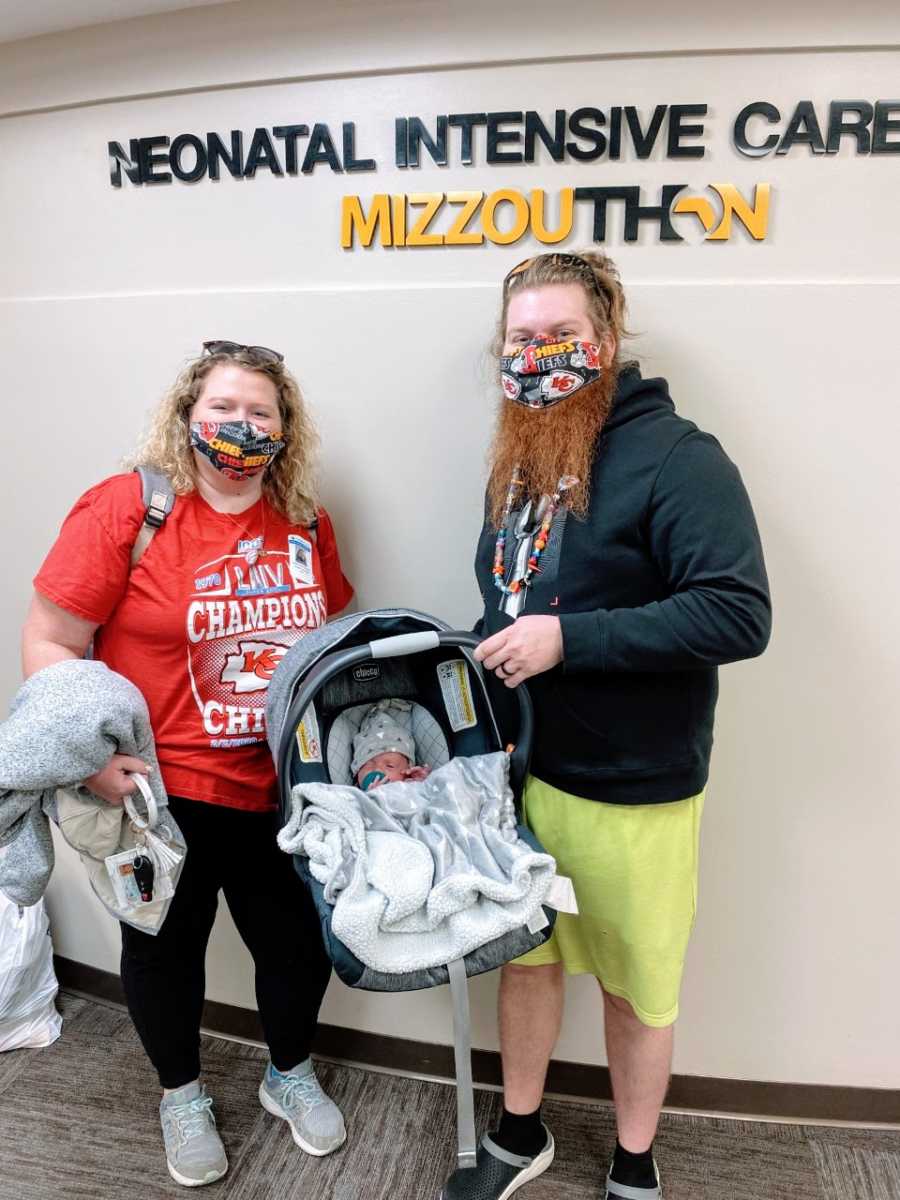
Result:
[{"x": 164, "y": 976}]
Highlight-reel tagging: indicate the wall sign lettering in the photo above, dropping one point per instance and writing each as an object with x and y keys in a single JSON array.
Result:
[{"x": 459, "y": 217}]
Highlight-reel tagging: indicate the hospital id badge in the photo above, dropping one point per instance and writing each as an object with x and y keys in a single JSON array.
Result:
[{"x": 300, "y": 560}]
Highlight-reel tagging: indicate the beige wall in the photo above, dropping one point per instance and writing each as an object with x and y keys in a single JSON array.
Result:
[{"x": 783, "y": 349}]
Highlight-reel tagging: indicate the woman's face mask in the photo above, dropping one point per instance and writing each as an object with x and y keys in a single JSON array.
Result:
[
  {"x": 547, "y": 370},
  {"x": 238, "y": 449}
]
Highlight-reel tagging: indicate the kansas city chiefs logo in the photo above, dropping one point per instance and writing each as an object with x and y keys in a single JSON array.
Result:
[
  {"x": 511, "y": 386},
  {"x": 560, "y": 383},
  {"x": 253, "y": 666}
]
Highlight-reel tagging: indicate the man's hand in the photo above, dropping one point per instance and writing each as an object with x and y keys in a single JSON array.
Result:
[
  {"x": 114, "y": 782},
  {"x": 527, "y": 647}
]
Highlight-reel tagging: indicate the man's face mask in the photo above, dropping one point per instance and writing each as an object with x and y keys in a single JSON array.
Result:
[
  {"x": 545, "y": 371},
  {"x": 238, "y": 449}
]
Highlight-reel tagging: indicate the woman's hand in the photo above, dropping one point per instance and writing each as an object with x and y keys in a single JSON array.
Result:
[
  {"x": 525, "y": 648},
  {"x": 114, "y": 782}
]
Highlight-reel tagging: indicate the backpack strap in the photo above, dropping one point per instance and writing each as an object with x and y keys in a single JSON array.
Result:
[{"x": 158, "y": 497}]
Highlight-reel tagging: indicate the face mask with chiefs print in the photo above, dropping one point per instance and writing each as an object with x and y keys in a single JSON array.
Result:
[
  {"x": 548, "y": 370},
  {"x": 238, "y": 449}
]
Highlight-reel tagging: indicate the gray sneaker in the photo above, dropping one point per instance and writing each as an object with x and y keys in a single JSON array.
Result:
[
  {"x": 194, "y": 1150},
  {"x": 297, "y": 1097}
]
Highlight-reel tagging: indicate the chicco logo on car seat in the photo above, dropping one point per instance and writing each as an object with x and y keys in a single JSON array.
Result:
[{"x": 360, "y": 674}]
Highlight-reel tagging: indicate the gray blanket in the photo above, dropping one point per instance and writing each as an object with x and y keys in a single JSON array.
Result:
[
  {"x": 64, "y": 724},
  {"x": 420, "y": 873}
]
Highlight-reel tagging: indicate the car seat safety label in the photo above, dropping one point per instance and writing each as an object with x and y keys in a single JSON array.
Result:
[
  {"x": 308, "y": 742},
  {"x": 457, "y": 692}
]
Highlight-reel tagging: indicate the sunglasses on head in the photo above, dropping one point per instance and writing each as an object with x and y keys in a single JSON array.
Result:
[
  {"x": 261, "y": 352},
  {"x": 573, "y": 262}
]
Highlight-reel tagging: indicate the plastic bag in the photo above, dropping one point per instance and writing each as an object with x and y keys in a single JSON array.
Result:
[{"x": 28, "y": 987}]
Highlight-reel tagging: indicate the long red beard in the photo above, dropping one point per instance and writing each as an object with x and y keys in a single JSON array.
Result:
[{"x": 548, "y": 443}]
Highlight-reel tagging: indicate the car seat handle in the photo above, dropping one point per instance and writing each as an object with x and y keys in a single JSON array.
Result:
[{"x": 405, "y": 643}]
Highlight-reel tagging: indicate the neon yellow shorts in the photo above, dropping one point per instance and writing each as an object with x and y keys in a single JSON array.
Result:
[{"x": 634, "y": 869}]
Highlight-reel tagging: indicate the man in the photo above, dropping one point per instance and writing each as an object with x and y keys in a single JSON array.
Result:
[{"x": 620, "y": 565}]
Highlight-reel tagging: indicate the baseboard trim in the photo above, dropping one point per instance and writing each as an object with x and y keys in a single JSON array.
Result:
[{"x": 741, "y": 1097}]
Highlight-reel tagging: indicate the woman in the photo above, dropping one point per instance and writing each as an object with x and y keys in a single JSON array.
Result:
[
  {"x": 619, "y": 565},
  {"x": 244, "y": 565}
]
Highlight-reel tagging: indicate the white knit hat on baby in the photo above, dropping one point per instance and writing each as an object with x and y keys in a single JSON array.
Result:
[{"x": 380, "y": 733}]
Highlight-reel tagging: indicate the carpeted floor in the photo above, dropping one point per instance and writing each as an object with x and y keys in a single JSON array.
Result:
[{"x": 79, "y": 1119}]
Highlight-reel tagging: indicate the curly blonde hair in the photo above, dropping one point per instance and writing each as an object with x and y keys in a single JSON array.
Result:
[{"x": 289, "y": 484}]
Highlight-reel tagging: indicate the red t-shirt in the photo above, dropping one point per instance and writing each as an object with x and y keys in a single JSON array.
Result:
[{"x": 197, "y": 626}]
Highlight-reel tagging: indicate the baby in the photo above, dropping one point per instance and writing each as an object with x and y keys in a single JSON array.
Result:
[{"x": 384, "y": 750}]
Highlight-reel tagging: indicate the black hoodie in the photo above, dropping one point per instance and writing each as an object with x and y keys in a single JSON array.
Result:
[{"x": 658, "y": 585}]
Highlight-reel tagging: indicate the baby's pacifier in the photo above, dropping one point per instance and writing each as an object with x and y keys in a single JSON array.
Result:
[{"x": 371, "y": 779}]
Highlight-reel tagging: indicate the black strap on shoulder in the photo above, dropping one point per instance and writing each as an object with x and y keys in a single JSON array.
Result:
[{"x": 158, "y": 495}]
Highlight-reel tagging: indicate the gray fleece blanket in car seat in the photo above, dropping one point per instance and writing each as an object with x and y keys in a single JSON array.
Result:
[{"x": 420, "y": 873}]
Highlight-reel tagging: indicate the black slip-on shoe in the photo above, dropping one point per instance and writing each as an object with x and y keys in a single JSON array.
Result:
[
  {"x": 497, "y": 1173},
  {"x": 622, "y": 1191}
]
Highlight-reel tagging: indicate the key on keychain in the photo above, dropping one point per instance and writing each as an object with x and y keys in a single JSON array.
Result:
[{"x": 142, "y": 868}]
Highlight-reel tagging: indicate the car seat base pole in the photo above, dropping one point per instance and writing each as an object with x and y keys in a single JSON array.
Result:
[{"x": 462, "y": 1050}]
